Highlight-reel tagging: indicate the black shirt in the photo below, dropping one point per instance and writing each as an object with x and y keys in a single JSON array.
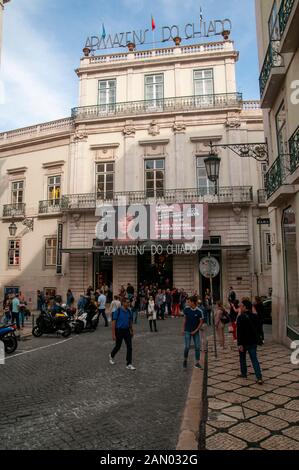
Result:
[{"x": 248, "y": 329}]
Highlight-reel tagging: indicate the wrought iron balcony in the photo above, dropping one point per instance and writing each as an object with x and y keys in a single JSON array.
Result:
[
  {"x": 272, "y": 64},
  {"x": 284, "y": 14},
  {"x": 277, "y": 174},
  {"x": 261, "y": 196},
  {"x": 181, "y": 103},
  {"x": 231, "y": 194},
  {"x": 52, "y": 206},
  {"x": 288, "y": 24},
  {"x": 294, "y": 150},
  {"x": 14, "y": 210}
]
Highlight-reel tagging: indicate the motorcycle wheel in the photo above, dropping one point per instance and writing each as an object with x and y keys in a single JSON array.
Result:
[
  {"x": 79, "y": 328},
  {"x": 37, "y": 332},
  {"x": 10, "y": 344},
  {"x": 67, "y": 331}
]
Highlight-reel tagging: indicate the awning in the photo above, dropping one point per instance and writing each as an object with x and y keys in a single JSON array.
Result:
[
  {"x": 147, "y": 247},
  {"x": 76, "y": 250}
]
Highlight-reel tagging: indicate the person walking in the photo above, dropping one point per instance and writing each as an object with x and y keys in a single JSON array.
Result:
[
  {"x": 122, "y": 329},
  {"x": 130, "y": 291},
  {"x": 249, "y": 337},
  {"x": 159, "y": 303},
  {"x": 231, "y": 295},
  {"x": 258, "y": 308},
  {"x": 175, "y": 303},
  {"x": 22, "y": 309},
  {"x": 221, "y": 318},
  {"x": 135, "y": 304},
  {"x": 203, "y": 329},
  {"x": 115, "y": 305},
  {"x": 15, "y": 309},
  {"x": 233, "y": 314},
  {"x": 193, "y": 321},
  {"x": 152, "y": 314},
  {"x": 168, "y": 302},
  {"x": 102, "y": 306},
  {"x": 69, "y": 298},
  {"x": 7, "y": 309}
]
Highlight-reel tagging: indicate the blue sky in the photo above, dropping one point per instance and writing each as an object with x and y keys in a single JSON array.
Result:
[{"x": 43, "y": 43}]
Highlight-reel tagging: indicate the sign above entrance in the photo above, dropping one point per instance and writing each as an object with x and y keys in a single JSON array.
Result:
[
  {"x": 190, "y": 31},
  {"x": 209, "y": 267},
  {"x": 265, "y": 221}
]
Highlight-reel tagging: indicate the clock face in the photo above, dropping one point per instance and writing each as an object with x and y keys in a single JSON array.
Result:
[{"x": 209, "y": 267}]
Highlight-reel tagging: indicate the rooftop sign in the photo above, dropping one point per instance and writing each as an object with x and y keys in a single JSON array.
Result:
[{"x": 202, "y": 29}]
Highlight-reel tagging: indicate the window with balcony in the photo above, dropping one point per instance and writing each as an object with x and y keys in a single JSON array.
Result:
[
  {"x": 204, "y": 185},
  {"x": 14, "y": 253},
  {"x": 154, "y": 90},
  {"x": 107, "y": 95},
  {"x": 54, "y": 190},
  {"x": 17, "y": 192},
  {"x": 155, "y": 177},
  {"x": 268, "y": 257},
  {"x": 281, "y": 130},
  {"x": 204, "y": 86},
  {"x": 105, "y": 180},
  {"x": 50, "y": 252},
  {"x": 273, "y": 23}
]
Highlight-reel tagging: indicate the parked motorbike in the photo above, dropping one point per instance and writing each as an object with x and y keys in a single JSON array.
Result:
[
  {"x": 82, "y": 322},
  {"x": 47, "y": 323},
  {"x": 7, "y": 335}
]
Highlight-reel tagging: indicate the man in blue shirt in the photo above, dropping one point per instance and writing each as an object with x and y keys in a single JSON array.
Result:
[
  {"x": 102, "y": 306},
  {"x": 193, "y": 322},
  {"x": 15, "y": 309},
  {"x": 122, "y": 329}
]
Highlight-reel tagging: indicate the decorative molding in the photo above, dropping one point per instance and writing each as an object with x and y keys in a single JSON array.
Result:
[
  {"x": 129, "y": 129},
  {"x": 18, "y": 171},
  {"x": 233, "y": 123},
  {"x": 154, "y": 148},
  {"x": 144, "y": 143},
  {"x": 237, "y": 211},
  {"x": 76, "y": 218},
  {"x": 58, "y": 163},
  {"x": 154, "y": 128},
  {"x": 179, "y": 127},
  {"x": 79, "y": 136},
  {"x": 206, "y": 138},
  {"x": 104, "y": 146}
]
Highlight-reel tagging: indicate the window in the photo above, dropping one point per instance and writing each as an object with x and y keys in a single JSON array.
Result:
[
  {"x": 51, "y": 249},
  {"x": 17, "y": 192},
  {"x": 281, "y": 130},
  {"x": 14, "y": 252},
  {"x": 268, "y": 248},
  {"x": 105, "y": 180},
  {"x": 204, "y": 185},
  {"x": 54, "y": 189},
  {"x": 290, "y": 267},
  {"x": 154, "y": 90},
  {"x": 203, "y": 82},
  {"x": 273, "y": 23},
  {"x": 107, "y": 95},
  {"x": 154, "y": 177}
]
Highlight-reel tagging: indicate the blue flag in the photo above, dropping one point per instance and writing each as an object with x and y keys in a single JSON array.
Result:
[{"x": 103, "y": 31}]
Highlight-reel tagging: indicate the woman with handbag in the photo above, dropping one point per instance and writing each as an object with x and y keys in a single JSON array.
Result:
[{"x": 152, "y": 314}]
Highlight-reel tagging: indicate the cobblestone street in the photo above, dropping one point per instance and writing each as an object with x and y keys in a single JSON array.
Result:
[
  {"x": 244, "y": 415},
  {"x": 68, "y": 396}
]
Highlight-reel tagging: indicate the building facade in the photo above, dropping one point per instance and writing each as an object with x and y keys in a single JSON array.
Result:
[
  {"x": 278, "y": 41},
  {"x": 141, "y": 130},
  {"x": 2, "y": 3}
]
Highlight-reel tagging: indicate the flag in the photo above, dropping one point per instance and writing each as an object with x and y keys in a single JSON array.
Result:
[
  {"x": 103, "y": 31},
  {"x": 153, "y": 24},
  {"x": 201, "y": 15}
]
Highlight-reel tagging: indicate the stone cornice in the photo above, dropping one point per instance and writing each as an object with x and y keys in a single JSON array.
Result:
[
  {"x": 104, "y": 146},
  {"x": 154, "y": 142}
]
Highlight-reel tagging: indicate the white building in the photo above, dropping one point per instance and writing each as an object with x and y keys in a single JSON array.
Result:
[
  {"x": 2, "y": 3},
  {"x": 141, "y": 128}
]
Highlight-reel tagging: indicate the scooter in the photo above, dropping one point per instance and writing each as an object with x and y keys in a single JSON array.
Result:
[
  {"x": 7, "y": 335},
  {"x": 47, "y": 324},
  {"x": 81, "y": 322}
]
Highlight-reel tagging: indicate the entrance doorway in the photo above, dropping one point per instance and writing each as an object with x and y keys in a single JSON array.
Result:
[
  {"x": 102, "y": 270},
  {"x": 156, "y": 269}
]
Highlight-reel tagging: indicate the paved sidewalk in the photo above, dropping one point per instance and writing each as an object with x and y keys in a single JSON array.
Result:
[{"x": 244, "y": 415}]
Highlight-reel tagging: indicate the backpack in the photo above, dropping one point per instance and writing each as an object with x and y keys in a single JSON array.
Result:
[{"x": 225, "y": 317}]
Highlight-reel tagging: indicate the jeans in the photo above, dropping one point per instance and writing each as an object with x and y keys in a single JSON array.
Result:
[
  {"x": 151, "y": 324},
  {"x": 135, "y": 315},
  {"x": 103, "y": 312},
  {"x": 16, "y": 318},
  {"x": 196, "y": 339},
  {"x": 7, "y": 317},
  {"x": 123, "y": 334},
  {"x": 254, "y": 360},
  {"x": 22, "y": 315}
]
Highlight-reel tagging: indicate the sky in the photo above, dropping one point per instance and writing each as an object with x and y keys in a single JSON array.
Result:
[{"x": 43, "y": 42}]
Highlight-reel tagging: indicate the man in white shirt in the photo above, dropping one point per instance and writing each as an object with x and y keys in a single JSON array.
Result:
[{"x": 102, "y": 306}]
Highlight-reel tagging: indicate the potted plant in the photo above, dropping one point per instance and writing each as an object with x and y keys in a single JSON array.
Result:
[
  {"x": 131, "y": 46},
  {"x": 226, "y": 34},
  {"x": 86, "y": 51},
  {"x": 177, "y": 40}
]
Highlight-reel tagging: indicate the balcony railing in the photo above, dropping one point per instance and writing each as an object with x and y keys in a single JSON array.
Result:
[
  {"x": 229, "y": 194},
  {"x": 294, "y": 150},
  {"x": 261, "y": 196},
  {"x": 14, "y": 210},
  {"x": 272, "y": 60},
  {"x": 277, "y": 174},
  {"x": 284, "y": 14},
  {"x": 181, "y": 103},
  {"x": 50, "y": 206}
]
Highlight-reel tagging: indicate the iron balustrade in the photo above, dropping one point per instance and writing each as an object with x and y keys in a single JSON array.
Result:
[
  {"x": 284, "y": 14},
  {"x": 14, "y": 210},
  {"x": 294, "y": 150},
  {"x": 277, "y": 173},
  {"x": 50, "y": 206},
  {"x": 182, "y": 103},
  {"x": 230, "y": 194},
  {"x": 273, "y": 59}
]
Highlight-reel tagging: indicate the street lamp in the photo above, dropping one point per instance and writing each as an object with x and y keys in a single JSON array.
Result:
[
  {"x": 212, "y": 163},
  {"x": 12, "y": 229}
]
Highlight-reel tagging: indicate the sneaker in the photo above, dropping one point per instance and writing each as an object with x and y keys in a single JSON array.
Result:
[
  {"x": 197, "y": 366},
  {"x": 112, "y": 362},
  {"x": 185, "y": 364},
  {"x": 260, "y": 381},
  {"x": 131, "y": 367},
  {"x": 241, "y": 376}
]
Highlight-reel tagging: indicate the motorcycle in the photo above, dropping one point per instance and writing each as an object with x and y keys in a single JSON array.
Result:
[
  {"x": 81, "y": 323},
  {"x": 7, "y": 335},
  {"x": 47, "y": 324}
]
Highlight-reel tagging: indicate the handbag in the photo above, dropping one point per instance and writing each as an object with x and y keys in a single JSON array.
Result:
[{"x": 230, "y": 329}]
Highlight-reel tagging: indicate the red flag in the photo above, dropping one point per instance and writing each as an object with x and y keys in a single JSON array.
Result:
[{"x": 153, "y": 24}]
